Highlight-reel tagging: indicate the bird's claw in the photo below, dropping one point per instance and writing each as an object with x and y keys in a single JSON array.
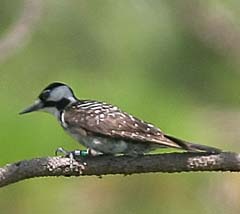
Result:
[
  {"x": 61, "y": 151},
  {"x": 66, "y": 154},
  {"x": 72, "y": 155}
]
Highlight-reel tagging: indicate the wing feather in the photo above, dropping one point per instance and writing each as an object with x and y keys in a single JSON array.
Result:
[{"x": 110, "y": 121}]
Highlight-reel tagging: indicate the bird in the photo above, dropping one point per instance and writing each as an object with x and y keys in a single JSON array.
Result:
[{"x": 105, "y": 129}]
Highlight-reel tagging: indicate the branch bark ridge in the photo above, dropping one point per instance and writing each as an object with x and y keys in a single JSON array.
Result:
[{"x": 105, "y": 165}]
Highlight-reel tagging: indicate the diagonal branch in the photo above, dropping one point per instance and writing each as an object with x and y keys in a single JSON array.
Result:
[{"x": 103, "y": 165}]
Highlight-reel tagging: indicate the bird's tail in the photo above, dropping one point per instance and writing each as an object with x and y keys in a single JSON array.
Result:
[{"x": 192, "y": 146}]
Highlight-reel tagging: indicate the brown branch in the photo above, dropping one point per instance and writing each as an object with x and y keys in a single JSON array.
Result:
[{"x": 103, "y": 165}]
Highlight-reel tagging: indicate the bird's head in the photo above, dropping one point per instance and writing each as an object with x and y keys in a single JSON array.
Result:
[{"x": 54, "y": 98}]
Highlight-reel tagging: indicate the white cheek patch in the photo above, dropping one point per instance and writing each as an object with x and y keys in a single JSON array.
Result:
[{"x": 59, "y": 93}]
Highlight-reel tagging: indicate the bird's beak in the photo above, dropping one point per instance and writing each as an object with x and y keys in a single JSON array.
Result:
[{"x": 36, "y": 106}]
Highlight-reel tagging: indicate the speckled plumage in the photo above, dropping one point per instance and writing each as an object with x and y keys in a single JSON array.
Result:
[{"x": 105, "y": 128}]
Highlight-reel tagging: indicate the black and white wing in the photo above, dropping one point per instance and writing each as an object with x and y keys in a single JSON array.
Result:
[{"x": 97, "y": 118}]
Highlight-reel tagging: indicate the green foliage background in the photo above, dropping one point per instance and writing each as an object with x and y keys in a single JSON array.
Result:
[{"x": 144, "y": 57}]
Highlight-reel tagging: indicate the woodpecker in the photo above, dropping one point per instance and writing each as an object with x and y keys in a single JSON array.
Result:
[{"x": 104, "y": 128}]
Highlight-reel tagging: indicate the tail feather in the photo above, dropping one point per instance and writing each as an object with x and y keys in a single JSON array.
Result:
[{"x": 192, "y": 146}]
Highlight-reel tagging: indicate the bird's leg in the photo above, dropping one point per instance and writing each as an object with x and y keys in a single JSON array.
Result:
[
  {"x": 92, "y": 152},
  {"x": 77, "y": 153},
  {"x": 69, "y": 154}
]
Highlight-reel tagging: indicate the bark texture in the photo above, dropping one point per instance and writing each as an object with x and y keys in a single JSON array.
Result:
[{"x": 104, "y": 165}]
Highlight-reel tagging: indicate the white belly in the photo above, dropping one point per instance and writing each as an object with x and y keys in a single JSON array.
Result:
[{"x": 101, "y": 144}]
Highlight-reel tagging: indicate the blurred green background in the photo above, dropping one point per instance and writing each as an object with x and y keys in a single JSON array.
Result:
[{"x": 174, "y": 63}]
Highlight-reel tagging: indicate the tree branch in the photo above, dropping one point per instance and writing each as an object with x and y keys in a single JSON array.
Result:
[{"x": 103, "y": 165}]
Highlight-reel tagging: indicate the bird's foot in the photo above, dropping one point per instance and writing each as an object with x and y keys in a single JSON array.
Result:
[
  {"x": 72, "y": 155},
  {"x": 77, "y": 154}
]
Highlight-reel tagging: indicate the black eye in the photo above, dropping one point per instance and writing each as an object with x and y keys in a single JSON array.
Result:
[{"x": 44, "y": 95}]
